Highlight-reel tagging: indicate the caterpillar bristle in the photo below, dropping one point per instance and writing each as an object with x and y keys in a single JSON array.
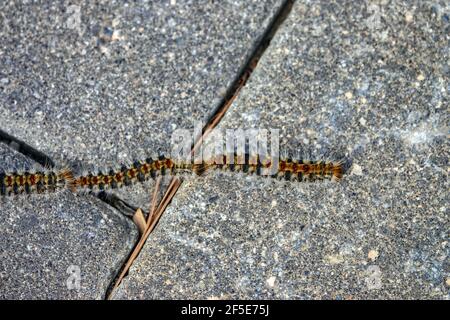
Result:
[
  {"x": 66, "y": 176},
  {"x": 199, "y": 169},
  {"x": 338, "y": 170}
]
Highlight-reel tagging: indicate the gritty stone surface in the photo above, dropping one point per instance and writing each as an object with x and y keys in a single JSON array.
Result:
[
  {"x": 106, "y": 82},
  {"x": 48, "y": 240},
  {"x": 329, "y": 66}
]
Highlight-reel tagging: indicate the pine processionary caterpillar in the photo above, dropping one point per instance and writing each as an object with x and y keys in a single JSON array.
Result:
[
  {"x": 139, "y": 171},
  {"x": 288, "y": 169},
  {"x": 28, "y": 182},
  {"x": 15, "y": 183}
]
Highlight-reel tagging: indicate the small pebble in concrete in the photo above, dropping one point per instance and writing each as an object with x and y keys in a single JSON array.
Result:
[
  {"x": 271, "y": 281},
  {"x": 373, "y": 255}
]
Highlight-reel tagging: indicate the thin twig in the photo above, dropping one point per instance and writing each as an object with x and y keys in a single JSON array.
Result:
[{"x": 171, "y": 190}]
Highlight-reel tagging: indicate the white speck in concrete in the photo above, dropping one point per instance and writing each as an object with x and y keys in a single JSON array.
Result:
[
  {"x": 271, "y": 281},
  {"x": 349, "y": 95},
  {"x": 409, "y": 17},
  {"x": 334, "y": 259},
  {"x": 373, "y": 254},
  {"x": 356, "y": 169},
  {"x": 116, "y": 35}
]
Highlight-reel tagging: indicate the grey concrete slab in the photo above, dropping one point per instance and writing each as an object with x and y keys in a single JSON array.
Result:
[
  {"x": 107, "y": 82},
  {"x": 364, "y": 80},
  {"x": 50, "y": 241}
]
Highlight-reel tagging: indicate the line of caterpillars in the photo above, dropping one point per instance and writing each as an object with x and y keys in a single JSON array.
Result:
[{"x": 28, "y": 182}]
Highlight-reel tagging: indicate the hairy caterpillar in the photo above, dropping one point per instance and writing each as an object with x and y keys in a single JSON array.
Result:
[
  {"x": 34, "y": 181},
  {"x": 138, "y": 171},
  {"x": 288, "y": 169},
  {"x": 31, "y": 181}
]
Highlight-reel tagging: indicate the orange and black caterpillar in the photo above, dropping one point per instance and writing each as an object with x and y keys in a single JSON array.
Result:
[
  {"x": 32, "y": 181},
  {"x": 139, "y": 171},
  {"x": 28, "y": 182},
  {"x": 288, "y": 169}
]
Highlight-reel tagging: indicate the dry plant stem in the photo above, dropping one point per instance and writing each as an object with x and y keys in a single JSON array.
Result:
[
  {"x": 139, "y": 221},
  {"x": 219, "y": 115},
  {"x": 171, "y": 190}
]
